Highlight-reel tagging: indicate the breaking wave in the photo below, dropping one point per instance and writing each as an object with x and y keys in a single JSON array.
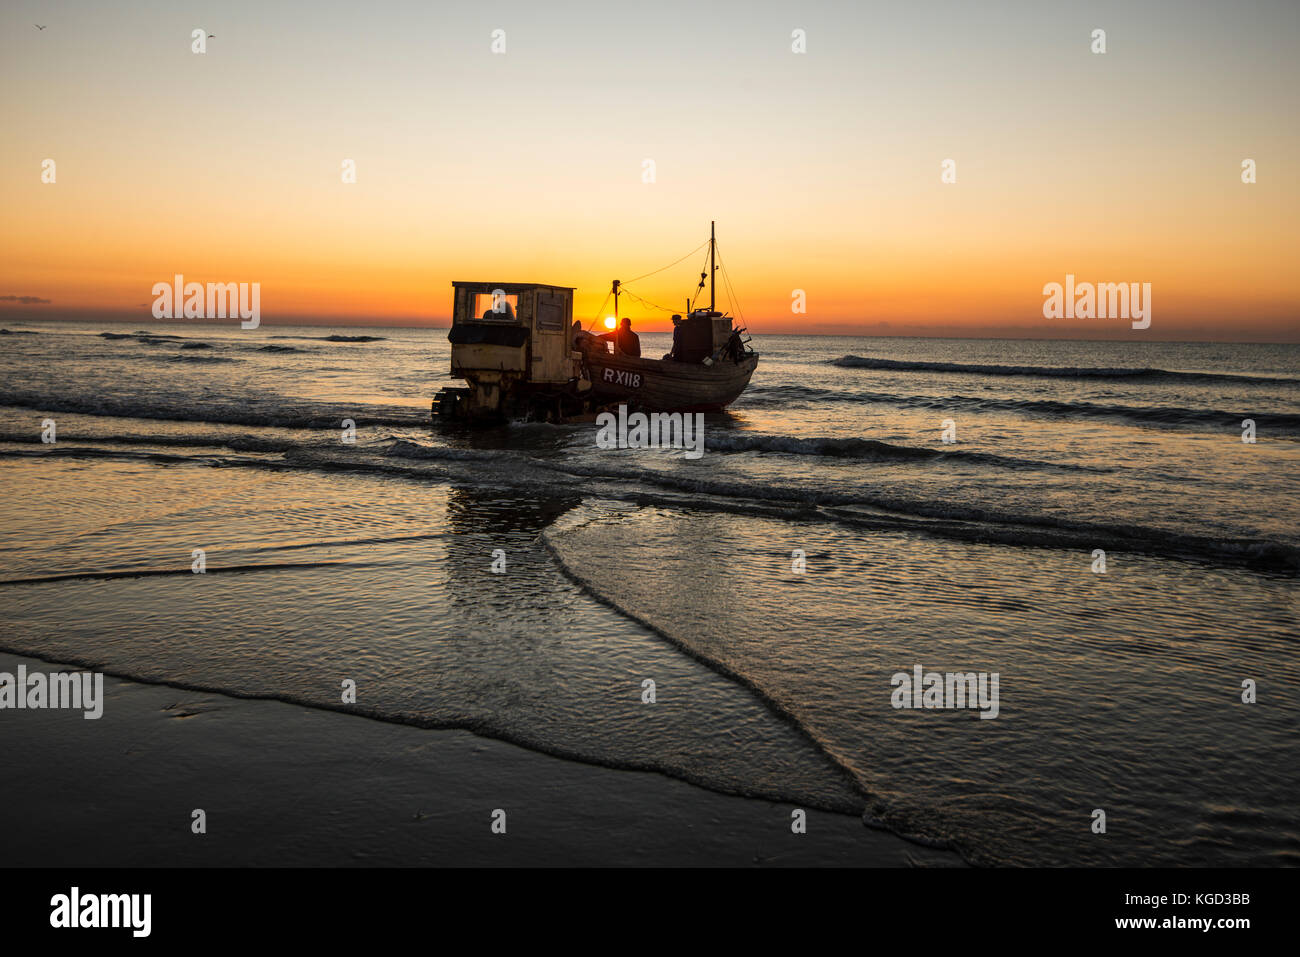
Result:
[
  {"x": 1055, "y": 408},
  {"x": 140, "y": 335},
  {"x": 305, "y": 415},
  {"x": 204, "y": 359},
  {"x": 1063, "y": 372},
  {"x": 864, "y": 509},
  {"x": 870, "y": 450},
  {"x": 337, "y": 338},
  {"x": 237, "y": 443}
]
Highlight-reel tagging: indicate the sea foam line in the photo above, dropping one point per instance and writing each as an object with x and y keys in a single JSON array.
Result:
[{"x": 1067, "y": 372}]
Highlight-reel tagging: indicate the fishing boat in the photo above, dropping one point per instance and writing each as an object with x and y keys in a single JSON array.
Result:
[
  {"x": 706, "y": 372},
  {"x": 522, "y": 356}
]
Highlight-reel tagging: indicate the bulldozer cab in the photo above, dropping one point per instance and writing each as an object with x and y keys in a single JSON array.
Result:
[
  {"x": 507, "y": 338},
  {"x": 517, "y": 328}
]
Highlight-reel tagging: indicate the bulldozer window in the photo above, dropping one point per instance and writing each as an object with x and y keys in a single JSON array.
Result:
[{"x": 495, "y": 306}]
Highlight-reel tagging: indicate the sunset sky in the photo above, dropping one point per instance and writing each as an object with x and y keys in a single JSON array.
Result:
[{"x": 822, "y": 169}]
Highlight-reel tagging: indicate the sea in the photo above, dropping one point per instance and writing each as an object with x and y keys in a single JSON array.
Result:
[{"x": 1110, "y": 528}]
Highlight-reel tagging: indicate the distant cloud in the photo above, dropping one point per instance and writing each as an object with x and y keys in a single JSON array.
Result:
[{"x": 26, "y": 300}]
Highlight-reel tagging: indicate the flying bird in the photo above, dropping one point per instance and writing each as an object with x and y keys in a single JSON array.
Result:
[{"x": 38, "y": 26}]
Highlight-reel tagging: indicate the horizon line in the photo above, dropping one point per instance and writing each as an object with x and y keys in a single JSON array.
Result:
[{"x": 443, "y": 324}]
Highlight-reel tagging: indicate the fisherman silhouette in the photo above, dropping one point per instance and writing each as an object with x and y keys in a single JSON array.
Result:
[
  {"x": 625, "y": 340},
  {"x": 676, "y": 352}
]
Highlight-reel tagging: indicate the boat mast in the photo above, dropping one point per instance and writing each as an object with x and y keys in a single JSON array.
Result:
[
  {"x": 713, "y": 245},
  {"x": 616, "y": 285}
]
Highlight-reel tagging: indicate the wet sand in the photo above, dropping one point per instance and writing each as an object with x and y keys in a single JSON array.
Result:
[{"x": 285, "y": 785}]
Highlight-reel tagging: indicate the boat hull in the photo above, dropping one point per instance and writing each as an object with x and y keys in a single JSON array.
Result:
[{"x": 663, "y": 385}]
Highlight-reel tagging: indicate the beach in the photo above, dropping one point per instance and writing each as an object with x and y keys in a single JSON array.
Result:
[{"x": 284, "y": 786}]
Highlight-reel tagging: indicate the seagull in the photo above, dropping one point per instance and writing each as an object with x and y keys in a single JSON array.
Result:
[
  {"x": 38, "y": 26},
  {"x": 212, "y": 36}
]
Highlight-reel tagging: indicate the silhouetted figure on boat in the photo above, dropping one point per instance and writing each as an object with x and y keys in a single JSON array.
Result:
[
  {"x": 676, "y": 353},
  {"x": 625, "y": 340},
  {"x": 735, "y": 348}
]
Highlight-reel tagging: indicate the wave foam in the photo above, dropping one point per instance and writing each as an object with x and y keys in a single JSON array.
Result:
[{"x": 1065, "y": 372}]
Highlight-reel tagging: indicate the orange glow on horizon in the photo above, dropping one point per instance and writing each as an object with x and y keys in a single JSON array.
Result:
[{"x": 825, "y": 181}]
